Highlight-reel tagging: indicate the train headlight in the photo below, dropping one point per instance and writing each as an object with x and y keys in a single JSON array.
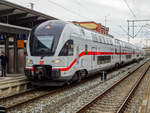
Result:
[
  {"x": 56, "y": 61},
  {"x": 29, "y": 62}
]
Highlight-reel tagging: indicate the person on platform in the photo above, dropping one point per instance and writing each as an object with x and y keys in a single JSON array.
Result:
[{"x": 4, "y": 61}]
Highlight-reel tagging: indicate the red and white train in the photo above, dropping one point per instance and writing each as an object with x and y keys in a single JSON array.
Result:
[{"x": 59, "y": 52}]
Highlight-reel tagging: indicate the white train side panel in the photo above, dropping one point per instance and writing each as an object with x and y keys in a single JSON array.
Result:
[{"x": 62, "y": 51}]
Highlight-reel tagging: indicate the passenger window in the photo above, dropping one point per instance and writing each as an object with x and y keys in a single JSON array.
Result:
[
  {"x": 111, "y": 41},
  {"x": 82, "y": 31},
  {"x": 100, "y": 39},
  {"x": 94, "y": 37},
  {"x": 77, "y": 53},
  {"x": 67, "y": 49},
  {"x": 103, "y": 59},
  {"x": 94, "y": 50},
  {"x": 115, "y": 50},
  {"x": 86, "y": 49},
  {"x": 104, "y": 40}
]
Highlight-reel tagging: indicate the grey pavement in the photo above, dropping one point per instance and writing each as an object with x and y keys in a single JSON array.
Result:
[{"x": 10, "y": 76}]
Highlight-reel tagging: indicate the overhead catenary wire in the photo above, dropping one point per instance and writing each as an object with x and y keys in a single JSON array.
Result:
[
  {"x": 81, "y": 5},
  {"x": 68, "y": 10},
  {"x": 135, "y": 34},
  {"x": 124, "y": 30},
  {"x": 138, "y": 31},
  {"x": 125, "y": 1}
]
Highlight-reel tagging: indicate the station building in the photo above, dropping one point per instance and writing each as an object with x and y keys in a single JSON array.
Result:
[
  {"x": 16, "y": 23},
  {"x": 94, "y": 26},
  {"x": 147, "y": 52}
]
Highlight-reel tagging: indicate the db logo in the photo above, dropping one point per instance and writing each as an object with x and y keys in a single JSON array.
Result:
[{"x": 41, "y": 62}]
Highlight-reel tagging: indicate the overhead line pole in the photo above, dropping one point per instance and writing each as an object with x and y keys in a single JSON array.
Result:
[
  {"x": 133, "y": 22},
  {"x": 133, "y": 30},
  {"x": 139, "y": 20},
  {"x": 32, "y": 5},
  {"x": 128, "y": 31}
]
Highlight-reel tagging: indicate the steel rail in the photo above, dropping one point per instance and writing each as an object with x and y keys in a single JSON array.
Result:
[
  {"x": 81, "y": 110},
  {"x": 131, "y": 93},
  {"x": 60, "y": 89},
  {"x": 8, "y": 108},
  {"x": 15, "y": 95},
  {"x": 36, "y": 98}
]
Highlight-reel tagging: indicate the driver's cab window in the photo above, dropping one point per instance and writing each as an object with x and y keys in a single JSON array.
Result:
[{"x": 67, "y": 49}]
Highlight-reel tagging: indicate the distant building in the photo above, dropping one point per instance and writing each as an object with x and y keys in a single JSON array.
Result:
[
  {"x": 94, "y": 26},
  {"x": 147, "y": 52}
]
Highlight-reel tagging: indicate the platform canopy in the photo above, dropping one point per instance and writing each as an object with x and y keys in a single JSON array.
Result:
[
  {"x": 7, "y": 28},
  {"x": 17, "y": 15}
]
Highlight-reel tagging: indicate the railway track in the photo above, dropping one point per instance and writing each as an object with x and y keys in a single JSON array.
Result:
[
  {"x": 17, "y": 100},
  {"x": 116, "y": 98},
  {"x": 14, "y": 102}
]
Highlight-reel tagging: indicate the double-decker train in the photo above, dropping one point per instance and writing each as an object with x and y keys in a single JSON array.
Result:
[{"x": 59, "y": 52}]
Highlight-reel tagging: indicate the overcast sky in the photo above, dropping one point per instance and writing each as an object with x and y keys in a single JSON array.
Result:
[{"x": 115, "y": 12}]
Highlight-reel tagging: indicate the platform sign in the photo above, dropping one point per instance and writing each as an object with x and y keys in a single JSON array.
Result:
[
  {"x": 11, "y": 39},
  {"x": 20, "y": 43}
]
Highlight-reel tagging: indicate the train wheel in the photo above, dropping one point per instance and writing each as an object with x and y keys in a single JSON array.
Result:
[
  {"x": 79, "y": 77},
  {"x": 75, "y": 77},
  {"x": 83, "y": 74},
  {"x": 117, "y": 66},
  {"x": 68, "y": 82}
]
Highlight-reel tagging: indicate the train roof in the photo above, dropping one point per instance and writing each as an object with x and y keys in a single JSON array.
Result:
[{"x": 63, "y": 23}]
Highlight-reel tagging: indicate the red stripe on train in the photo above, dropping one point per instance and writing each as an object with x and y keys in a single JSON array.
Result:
[{"x": 87, "y": 53}]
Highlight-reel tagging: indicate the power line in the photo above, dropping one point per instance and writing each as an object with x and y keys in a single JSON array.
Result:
[
  {"x": 81, "y": 5},
  {"x": 138, "y": 31},
  {"x": 67, "y": 9},
  {"x": 124, "y": 31},
  {"x": 129, "y": 8}
]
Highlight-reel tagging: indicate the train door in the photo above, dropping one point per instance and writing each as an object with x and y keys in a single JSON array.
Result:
[
  {"x": 66, "y": 54},
  {"x": 70, "y": 57},
  {"x": 77, "y": 54},
  {"x": 120, "y": 54},
  {"x": 93, "y": 59}
]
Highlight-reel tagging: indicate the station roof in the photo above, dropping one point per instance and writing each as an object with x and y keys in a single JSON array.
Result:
[
  {"x": 17, "y": 15},
  {"x": 7, "y": 28}
]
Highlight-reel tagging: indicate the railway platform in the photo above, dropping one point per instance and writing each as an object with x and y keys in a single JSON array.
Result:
[
  {"x": 13, "y": 83},
  {"x": 145, "y": 105}
]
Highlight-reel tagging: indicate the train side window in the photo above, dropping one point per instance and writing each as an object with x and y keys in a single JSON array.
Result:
[
  {"x": 115, "y": 50},
  {"x": 67, "y": 49},
  {"x": 77, "y": 54},
  {"x": 86, "y": 48},
  {"x": 103, "y": 59},
  {"x": 94, "y": 50},
  {"x": 116, "y": 43},
  {"x": 104, "y": 40},
  {"x": 82, "y": 31},
  {"x": 98, "y": 60},
  {"x": 94, "y": 37},
  {"x": 107, "y": 41},
  {"x": 100, "y": 40},
  {"x": 128, "y": 56},
  {"x": 111, "y": 42}
]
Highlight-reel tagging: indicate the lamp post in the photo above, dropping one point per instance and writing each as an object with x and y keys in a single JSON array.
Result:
[{"x": 105, "y": 22}]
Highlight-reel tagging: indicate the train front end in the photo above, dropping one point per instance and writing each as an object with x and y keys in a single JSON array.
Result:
[{"x": 41, "y": 48}]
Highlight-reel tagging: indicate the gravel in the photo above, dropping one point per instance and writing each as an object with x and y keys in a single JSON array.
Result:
[{"x": 70, "y": 100}]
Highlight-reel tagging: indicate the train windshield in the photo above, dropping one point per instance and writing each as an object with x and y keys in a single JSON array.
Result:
[
  {"x": 44, "y": 38},
  {"x": 42, "y": 45},
  {"x": 44, "y": 42}
]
